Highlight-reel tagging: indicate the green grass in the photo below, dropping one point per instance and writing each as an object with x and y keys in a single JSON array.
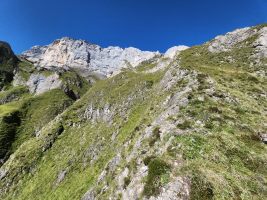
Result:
[
  {"x": 21, "y": 120},
  {"x": 146, "y": 66},
  {"x": 74, "y": 85},
  {"x": 8, "y": 124},
  {"x": 157, "y": 171},
  {"x": 68, "y": 150},
  {"x": 13, "y": 93},
  {"x": 224, "y": 158},
  {"x": 8, "y": 108},
  {"x": 184, "y": 125},
  {"x": 25, "y": 69},
  {"x": 37, "y": 112}
]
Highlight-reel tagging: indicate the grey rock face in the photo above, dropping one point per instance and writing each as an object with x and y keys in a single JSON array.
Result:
[
  {"x": 61, "y": 176},
  {"x": 261, "y": 43},
  {"x": 2, "y": 174},
  {"x": 97, "y": 114},
  {"x": 178, "y": 189},
  {"x": 89, "y": 195},
  {"x": 173, "y": 51},
  {"x": 135, "y": 188},
  {"x": 35, "y": 53},
  {"x": 18, "y": 80},
  {"x": 263, "y": 138},
  {"x": 9, "y": 98},
  {"x": 85, "y": 57},
  {"x": 39, "y": 83},
  {"x": 226, "y": 42}
]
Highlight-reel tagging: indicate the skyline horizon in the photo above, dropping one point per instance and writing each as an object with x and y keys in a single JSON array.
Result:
[
  {"x": 162, "y": 52},
  {"x": 146, "y": 25}
]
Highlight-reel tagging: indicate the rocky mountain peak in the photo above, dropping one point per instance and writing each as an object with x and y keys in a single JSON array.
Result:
[
  {"x": 234, "y": 39},
  {"x": 5, "y": 51},
  {"x": 85, "y": 57}
]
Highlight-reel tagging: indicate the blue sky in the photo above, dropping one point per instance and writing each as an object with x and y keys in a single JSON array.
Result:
[{"x": 145, "y": 24}]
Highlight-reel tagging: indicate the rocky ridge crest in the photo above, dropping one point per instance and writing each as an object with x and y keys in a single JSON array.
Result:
[{"x": 85, "y": 57}]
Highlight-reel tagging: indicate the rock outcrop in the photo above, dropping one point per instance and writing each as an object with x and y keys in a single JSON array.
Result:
[
  {"x": 227, "y": 42},
  {"x": 173, "y": 51},
  {"x": 39, "y": 83},
  {"x": 254, "y": 38},
  {"x": 261, "y": 43}
]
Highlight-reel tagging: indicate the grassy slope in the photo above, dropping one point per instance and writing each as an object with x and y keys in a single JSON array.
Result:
[
  {"x": 22, "y": 119},
  {"x": 226, "y": 159},
  {"x": 13, "y": 93},
  {"x": 22, "y": 114},
  {"x": 223, "y": 156},
  {"x": 68, "y": 150}
]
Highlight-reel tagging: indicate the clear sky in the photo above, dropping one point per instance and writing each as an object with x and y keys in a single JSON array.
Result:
[{"x": 145, "y": 24}]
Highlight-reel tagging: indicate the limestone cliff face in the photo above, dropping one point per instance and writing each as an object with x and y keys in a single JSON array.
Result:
[
  {"x": 88, "y": 60},
  {"x": 85, "y": 57},
  {"x": 227, "y": 42},
  {"x": 173, "y": 51}
]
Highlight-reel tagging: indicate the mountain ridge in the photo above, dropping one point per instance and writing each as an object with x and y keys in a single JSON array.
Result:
[{"x": 86, "y": 55}]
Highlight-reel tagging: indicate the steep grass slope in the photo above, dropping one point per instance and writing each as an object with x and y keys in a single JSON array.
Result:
[{"x": 22, "y": 112}]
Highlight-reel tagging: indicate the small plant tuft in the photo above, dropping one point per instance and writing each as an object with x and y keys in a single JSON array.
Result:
[{"x": 157, "y": 171}]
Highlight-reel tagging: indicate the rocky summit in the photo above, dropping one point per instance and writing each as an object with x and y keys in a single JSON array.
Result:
[
  {"x": 78, "y": 121},
  {"x": 85, "y": 57}
]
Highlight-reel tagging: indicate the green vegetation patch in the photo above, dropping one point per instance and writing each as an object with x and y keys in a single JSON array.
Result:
[
  {"x": 223, "y": 154},
  {"x": 74, "y": 85},
  {"x": 25, "y": 69},
  {"x": 21, "y": 120},
  {"x": 38, "y": 111},
  {"x": 158, "y": 174},
  {"x": 14, "y": 93}
]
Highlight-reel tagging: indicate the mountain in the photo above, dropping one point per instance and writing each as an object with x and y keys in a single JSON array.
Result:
[
  {"x": 85, "y": 57},
  {"x": 78, "y": 121}
]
